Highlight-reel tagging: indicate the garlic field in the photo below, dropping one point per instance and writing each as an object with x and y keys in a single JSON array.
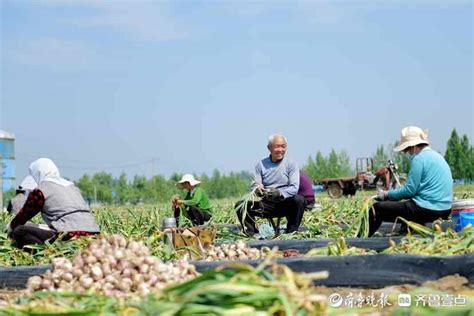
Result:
[{"x": 133, "y": 269}]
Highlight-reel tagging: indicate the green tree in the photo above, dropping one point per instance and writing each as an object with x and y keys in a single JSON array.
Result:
[
  {"x": 122, "y": 189},
  {"x": 310, "y": 168},
  {"x": 102, "y": 183},
  {"x": 316, "y": 168},
  {"x": 321, "y": 166},
  {"x": 345, "y": 168},
  {"x": 466, "y": 158},
  {"x": 87, "y": 189},
  {"x": 335, "y": 165},
  {"x": 380, "y": 157},
  {"x": 215, "y": 188},
  {"x": 225, "y": 186},
  {"x": 470, "y": 174},
  {"x": 161, "y": 190},
  {"x": 139, "y": 186},
  {"x": 454, "y": 155}
]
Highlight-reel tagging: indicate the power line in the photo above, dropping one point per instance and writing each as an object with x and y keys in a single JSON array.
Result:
[
  {"x": 78, "y": 164},
  {"x": 73, "y": 164},
  {"x": 104, "y": 167},
  {"x": 53, "y": 157}
]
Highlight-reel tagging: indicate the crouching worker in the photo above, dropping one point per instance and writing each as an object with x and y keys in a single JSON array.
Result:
[
  {"x": 196, "y": 205},
  {"x": 306, "y": 191},
  {"x": 61, "y": 205},
  {"x": 277, "y": 180},
  {"x": 16, "y": 203},
  {"x": 428, "y": 193}
]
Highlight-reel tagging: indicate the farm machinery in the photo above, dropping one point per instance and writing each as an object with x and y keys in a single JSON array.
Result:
[{"x": 365, "y": 179}]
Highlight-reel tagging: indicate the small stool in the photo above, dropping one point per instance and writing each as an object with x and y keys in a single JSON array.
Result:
[{"x": 275, "y": 221}]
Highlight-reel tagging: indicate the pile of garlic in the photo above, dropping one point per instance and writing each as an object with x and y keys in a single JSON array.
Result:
[
  {"x": 112, "y": 266},
  {"x": 234, "y": 251}
]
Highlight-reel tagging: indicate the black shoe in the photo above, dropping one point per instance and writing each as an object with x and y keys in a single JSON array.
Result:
[
  {"x": 250, "y": 234},
  {"x": 258, "y": 236}
]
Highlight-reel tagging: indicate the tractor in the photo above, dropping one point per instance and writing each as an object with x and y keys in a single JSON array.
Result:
[{"x": 365, "y": 179}]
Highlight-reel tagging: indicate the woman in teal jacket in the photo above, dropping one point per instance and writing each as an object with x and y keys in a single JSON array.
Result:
[{"x": 428, "y": 193}]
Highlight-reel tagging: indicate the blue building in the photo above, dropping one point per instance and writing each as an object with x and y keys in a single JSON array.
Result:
[{"x": 7, "y": 159}]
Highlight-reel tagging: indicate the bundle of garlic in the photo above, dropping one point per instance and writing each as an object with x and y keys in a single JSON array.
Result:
[
  {"x": 234, "y": 251},
  {"x": 112, "y": 266}
]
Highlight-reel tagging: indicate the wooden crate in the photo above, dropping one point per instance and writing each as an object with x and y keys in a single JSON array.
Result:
[{"x": 193, "y": 240}]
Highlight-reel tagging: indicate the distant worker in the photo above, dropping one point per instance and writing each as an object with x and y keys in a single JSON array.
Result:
[
  {"x": 16, "y": 203},
  {"x": 428, "y": 193},
  {"x": 277, "y": 180},
  {"x": 61, "y": 205},
  {"x": 196, "y": 205},
  {"x": 306, "y": 191}
]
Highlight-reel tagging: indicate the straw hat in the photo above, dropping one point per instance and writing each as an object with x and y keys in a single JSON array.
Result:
[
  {"x": 189, "y": 178},
  {"x": 412, "y": 136}
]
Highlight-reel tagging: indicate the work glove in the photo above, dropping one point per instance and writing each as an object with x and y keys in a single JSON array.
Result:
[
  {"x": 382, "y": 195},
  {"x": 260, "y": 190},
  {"x": 273, "y": 194}
]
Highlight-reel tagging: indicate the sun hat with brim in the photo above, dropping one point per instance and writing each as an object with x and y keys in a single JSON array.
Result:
[
  {"x": 412, "y": 136},
  {"x": 188, "y": 178}
]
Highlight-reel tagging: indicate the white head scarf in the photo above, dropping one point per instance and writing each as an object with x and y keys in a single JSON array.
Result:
[
  {"x": 44, "y": 169},
  {"x": 28, "y": 184}
]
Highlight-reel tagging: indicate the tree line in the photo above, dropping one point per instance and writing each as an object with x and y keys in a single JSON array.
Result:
[
  {"x": 103, "y": 187},
  {"x": 338, "y": 164},
  {"x": 459, "y": 155}
]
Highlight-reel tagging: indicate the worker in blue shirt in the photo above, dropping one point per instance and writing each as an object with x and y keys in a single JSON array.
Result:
[
  {"x": 277, "y": 181},
  {"x": 428, "y": 193}
]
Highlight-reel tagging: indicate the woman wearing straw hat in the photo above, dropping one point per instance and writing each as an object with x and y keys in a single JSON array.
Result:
[
  {"x": 196, "y": 203},
  {"x": 428, "y": 193}
]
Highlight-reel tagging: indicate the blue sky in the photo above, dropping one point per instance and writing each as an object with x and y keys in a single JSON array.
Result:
[{"x": 199, "y": 85}]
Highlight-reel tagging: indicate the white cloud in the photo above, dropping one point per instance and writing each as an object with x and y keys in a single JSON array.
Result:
[
  {"x": 53, "y": 52},
  {"x": 133, "y": 20},
  {"x": 311, "y": 15},
  {"x": 335, "y": 15},
  {"x": 247, "y": 9},
  {"x": 143, "y": 21},
  {"x": 137, "y": 20}
]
